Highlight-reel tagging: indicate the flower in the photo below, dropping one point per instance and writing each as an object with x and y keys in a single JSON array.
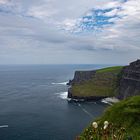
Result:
[
  {"x": 106, "y": 123},
  {"x": 95, "y": 125},
  {"x": 91, "y": 137},
  {"x": 105, "y": 127},
  {"x": 114, "y": 136}
]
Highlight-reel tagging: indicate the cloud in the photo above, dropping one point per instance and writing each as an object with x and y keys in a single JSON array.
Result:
[
  {"x": 112, "y": 13},
  {"x": 4, "y": 1},
  {"x": 115, "y": 29},
  {"x": 87, "y": 31},
  {"x": 41, "y": 11}
]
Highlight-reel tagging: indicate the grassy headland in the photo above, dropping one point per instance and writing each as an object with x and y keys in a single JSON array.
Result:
[{"x": 103, "y": 83}]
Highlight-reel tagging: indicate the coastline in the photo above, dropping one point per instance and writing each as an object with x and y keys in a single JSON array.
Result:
[{"x": 106, "y": 100}]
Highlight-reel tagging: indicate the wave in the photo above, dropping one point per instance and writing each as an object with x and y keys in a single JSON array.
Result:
[
  {"x": 62, "y": 83},
  {"x": 110, "y": 100},
  {"x": 62, "y": 95},
  {"x": 3, "y": 126}
]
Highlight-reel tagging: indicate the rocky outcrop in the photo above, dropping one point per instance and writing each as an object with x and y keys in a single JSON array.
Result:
[
  {"x": 129, "y": 84},
  {"x": 82, "y": 76}
]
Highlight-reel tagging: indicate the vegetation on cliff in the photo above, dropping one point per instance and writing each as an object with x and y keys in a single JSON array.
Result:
[
  {"x": 125, "y": 114},
  {"x": 103, "y": 83}
]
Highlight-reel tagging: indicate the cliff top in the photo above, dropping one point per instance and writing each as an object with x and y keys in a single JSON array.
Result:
[{"x": 109, "y": 69}]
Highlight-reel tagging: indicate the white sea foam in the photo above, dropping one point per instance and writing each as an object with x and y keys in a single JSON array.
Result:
[
  {"x": 3, "y": 126},
  {"x": 62, "y": 83},
  {"x": 62, "y": 95},
  {"x": 110, "y": 100}
]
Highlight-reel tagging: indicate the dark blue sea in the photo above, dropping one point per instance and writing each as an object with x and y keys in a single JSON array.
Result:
[{"x": 33, "y": 104}]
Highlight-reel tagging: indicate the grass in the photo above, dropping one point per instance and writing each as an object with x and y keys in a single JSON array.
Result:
[
  {"x": 123, "y": 114},
  {"x": 110, "y": 69},
  {"x": 104, "y": 83}
]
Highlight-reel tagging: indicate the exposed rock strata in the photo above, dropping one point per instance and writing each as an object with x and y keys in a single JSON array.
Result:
[
  {"x": 82, "y": 76},
  {"x": 130, "y": 80}
]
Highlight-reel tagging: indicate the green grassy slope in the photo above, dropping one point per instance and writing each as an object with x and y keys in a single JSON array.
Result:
[
  {"x": 123, "y": 114},
  {"x": 104, "y": 83}
]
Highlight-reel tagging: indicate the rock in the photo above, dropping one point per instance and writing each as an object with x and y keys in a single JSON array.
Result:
[
  {"x": 81, "y": 76},
  {"x": 130, "y": 80}
]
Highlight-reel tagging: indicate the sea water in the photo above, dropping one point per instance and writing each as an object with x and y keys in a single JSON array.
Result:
[{"x": 34, "y": 106}]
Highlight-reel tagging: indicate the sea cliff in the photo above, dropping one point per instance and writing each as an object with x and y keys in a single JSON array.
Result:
[
  {"x": 124, "y": 83},
  {"x": 129, "y": 84},
  {"x": 118, "y": 81}
]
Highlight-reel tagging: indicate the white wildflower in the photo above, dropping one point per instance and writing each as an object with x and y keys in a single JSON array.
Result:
[
  {"x": 106, "y": 123},
  {"x": 94, "y": 124},
  {"x": 105, "y": 127}
]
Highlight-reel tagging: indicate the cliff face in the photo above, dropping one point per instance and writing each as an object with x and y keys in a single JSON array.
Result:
[
  {"x": 79, "y": 78},
  {"x": 121, "y": 82},
  {"x": 130, "y": 80},
  {"x": 94, "y": 85},
  {"x": 82, "y": 76}
]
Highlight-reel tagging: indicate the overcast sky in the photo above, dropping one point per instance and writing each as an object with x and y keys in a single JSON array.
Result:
[{"x": 69, "y": 31}]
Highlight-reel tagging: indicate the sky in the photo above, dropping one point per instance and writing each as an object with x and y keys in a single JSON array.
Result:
[{"x": 69, "y": 31}]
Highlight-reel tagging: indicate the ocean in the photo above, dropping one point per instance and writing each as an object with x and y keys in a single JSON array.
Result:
[{"x": 34, "y": 106}]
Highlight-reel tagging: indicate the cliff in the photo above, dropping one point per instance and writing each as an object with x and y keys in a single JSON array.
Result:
[
  {"x": 82, "y": 76},
  {"x": 129, "y": 84},
  {"x": 94, "y": 85},
  {"x": 124, "y": 114},
  {"x": 118, "y": 81}
]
